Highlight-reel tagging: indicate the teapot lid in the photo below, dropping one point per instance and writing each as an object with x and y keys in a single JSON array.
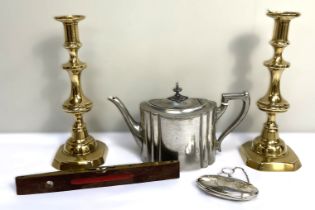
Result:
[{"x": 178, "y": 102}]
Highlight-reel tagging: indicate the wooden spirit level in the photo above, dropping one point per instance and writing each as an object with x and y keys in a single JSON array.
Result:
[{"x": 98, "y": 177}]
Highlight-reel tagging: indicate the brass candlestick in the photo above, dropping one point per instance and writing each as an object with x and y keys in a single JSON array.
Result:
[
  {"x": 268, "y": 152},
  {"x": 80, "y": 151}
]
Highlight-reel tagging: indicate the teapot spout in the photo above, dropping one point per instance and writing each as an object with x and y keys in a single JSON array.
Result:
[{"x": 133, "y": 125}]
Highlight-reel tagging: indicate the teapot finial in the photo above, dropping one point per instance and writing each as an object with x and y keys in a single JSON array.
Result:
[
  {"x": 177, "y": 89},
  {"x": 178, "y": 97}
]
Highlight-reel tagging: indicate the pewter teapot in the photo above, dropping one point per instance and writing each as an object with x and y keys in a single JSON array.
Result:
[{"x": 181, "y": 128}]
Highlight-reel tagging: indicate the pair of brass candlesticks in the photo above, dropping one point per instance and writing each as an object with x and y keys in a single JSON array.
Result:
[{"x": 267, "y": 152}]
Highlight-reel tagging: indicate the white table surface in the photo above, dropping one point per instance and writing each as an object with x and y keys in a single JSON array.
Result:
[{"x": 23, "y": 154}]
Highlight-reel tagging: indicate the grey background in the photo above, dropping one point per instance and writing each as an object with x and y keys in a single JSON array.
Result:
[{"x": 138, "y": 49}]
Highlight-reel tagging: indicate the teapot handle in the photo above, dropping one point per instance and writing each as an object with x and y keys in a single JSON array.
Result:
[{"x": 226, "y": 97}]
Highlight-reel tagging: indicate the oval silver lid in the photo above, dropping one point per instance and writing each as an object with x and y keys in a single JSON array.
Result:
[{"x": 178, "y": 102}]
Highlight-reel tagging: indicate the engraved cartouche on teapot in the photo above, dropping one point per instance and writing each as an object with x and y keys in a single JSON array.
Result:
[{"x": 181, "y": 128}]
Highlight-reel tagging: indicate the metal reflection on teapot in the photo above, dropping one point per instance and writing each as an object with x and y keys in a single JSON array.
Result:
[{"x": 181, "y": 128}]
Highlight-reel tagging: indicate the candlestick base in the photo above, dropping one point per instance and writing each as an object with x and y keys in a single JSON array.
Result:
[
  {"x": 67, "y": 161},
  {"x": 286, "y": 162}
]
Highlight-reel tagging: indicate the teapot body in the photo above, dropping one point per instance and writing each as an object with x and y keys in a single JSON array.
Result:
[{"x": 188, "y": 137}]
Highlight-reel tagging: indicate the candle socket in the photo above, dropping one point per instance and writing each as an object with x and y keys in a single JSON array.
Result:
[
  {"x": 268, "y": 152},
  {"x": 81, "y": 151}
]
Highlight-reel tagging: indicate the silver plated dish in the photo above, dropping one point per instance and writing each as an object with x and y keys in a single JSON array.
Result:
[{"x": 228, "y": 187}]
